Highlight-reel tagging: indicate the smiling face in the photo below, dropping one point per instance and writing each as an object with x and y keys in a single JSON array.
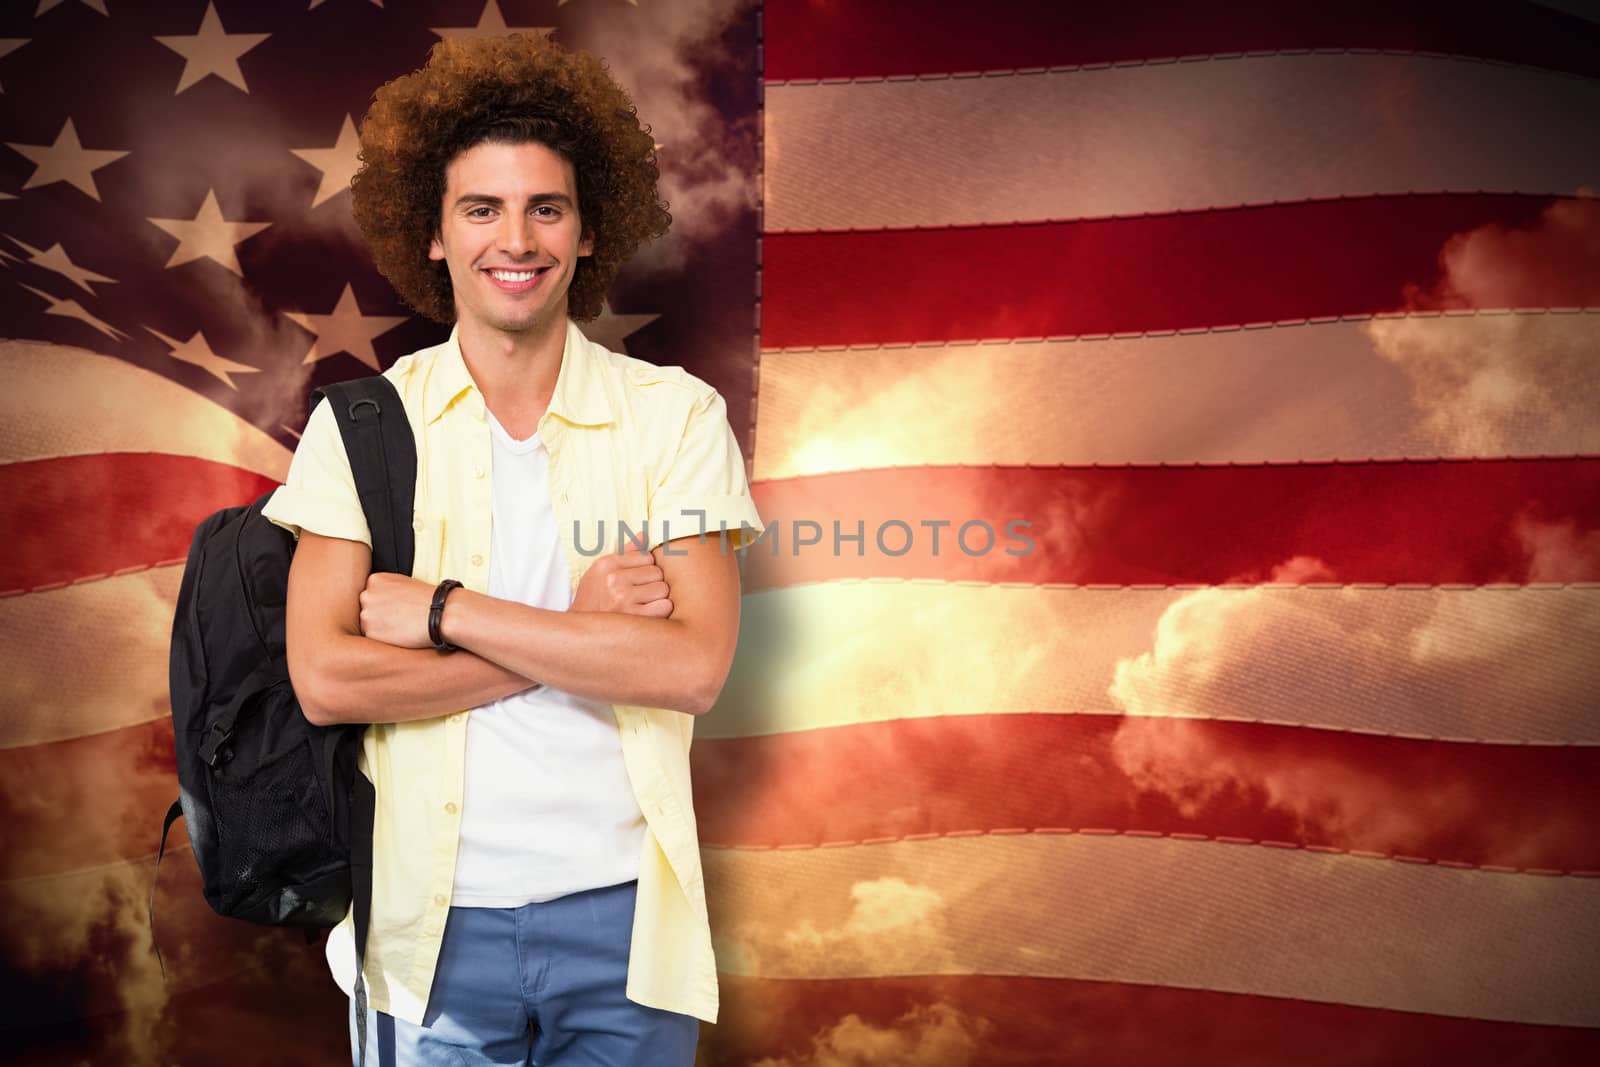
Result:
[{"x": 510, "y": 235}]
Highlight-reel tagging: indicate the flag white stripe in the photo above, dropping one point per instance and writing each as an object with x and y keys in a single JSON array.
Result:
[
  {"x": 1090, "y": 143},
  {"x": 1197, "y": 915},
  {"x": 87, "y": 659},
  {"x": 1500, "y": 664},
  {"x": 1514, "y": 385},
  {"x": 73, "y": 402}
]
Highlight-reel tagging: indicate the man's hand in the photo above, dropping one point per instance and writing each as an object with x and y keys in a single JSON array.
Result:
[
  {"x": 394, "y": 610},
  {"x": 629, "y": 583}
]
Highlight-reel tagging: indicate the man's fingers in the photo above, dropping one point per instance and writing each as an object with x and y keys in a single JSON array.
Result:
[
  {"x": 656, "y": 609},
  {"x": 633, "y": 556},
  {"x": 644, "y": 594}
]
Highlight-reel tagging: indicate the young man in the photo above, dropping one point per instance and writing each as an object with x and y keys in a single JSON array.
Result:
[{"x": 536, "y": 865}]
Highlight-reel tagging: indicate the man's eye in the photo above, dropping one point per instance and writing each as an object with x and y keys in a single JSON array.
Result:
[
  {"x": 478, "y": 213},
  {"x": 546, "y": 211}
]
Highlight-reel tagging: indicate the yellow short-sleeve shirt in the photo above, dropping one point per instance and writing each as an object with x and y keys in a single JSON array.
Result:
[{"x": 629, "y": 442}]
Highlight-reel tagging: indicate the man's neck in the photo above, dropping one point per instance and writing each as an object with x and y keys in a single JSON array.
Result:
[{"x": 516, "y": 372}]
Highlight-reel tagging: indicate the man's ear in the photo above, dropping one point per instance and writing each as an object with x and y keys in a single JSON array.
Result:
[
  {"x": 435, "y": 248},
  {"x": 586, "y": 245}
]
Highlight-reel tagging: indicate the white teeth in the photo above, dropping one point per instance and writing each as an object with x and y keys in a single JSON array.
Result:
[{"x": 513, "y": 275}]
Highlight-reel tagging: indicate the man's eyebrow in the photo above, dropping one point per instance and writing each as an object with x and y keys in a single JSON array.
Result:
[{"x": 559, "y": 199}]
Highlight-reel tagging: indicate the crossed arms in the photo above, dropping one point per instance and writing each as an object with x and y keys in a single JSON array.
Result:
[{"x": 359, "y": 652}]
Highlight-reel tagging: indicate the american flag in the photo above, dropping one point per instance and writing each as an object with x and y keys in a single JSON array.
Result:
[{"x": 1282, "y": 744}]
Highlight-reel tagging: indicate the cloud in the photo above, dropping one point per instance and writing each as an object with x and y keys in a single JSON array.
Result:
[
  {"x": 662, "y": 54},
  {"x": 265, "y": 338},
  {"x": 85, "y": 986},
  {"x": 1552, "y": 263},
  {"x": 891, "y": 927},
  {"x": 1465, "y": 657},
  {"x": 929, "y": 1035},
  {"x": 95, "y": 941},
  {"x": 1487, "y": 381},
  {"x": 1557, "y": 551},
  {"x": 1466, "y": 660}
]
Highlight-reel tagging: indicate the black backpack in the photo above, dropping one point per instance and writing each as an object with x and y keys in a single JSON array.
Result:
[{"x": 279, "y": 816}]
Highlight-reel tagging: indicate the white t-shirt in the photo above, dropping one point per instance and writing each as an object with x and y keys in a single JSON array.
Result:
[{"x": 548, "y": 809}]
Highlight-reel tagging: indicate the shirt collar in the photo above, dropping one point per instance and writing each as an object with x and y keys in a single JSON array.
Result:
[{"x": 579, "y": 397}]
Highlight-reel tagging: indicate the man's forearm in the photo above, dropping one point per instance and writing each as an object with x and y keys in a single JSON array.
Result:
[
  {"x": 621, "y": 659},
  {"x": 357, "y": 679}
]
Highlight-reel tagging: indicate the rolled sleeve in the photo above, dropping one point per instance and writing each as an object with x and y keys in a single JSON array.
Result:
[
  {"x": 704, "y": 489},
  {"x": 320, "y": 492}
]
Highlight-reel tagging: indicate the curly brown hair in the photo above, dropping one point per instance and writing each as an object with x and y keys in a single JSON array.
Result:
[{"x": 513, "y": 89}]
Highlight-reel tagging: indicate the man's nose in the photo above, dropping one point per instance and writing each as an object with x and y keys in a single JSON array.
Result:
[{"x": 516, "y": 234}]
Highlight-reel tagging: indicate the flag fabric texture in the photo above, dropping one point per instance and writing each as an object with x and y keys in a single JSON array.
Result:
[{"x": 1178, "y": 428}]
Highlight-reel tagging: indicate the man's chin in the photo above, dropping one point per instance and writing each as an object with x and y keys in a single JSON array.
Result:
[{"x": 517, "y": 324}]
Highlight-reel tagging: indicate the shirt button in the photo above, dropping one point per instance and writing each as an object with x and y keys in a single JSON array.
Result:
[
  {"x": 450, "y": 807},
  {"x": 477, "y": 472},
  {"x": 438, "y": 898},
  {"x": 416, "y": 524},
  {"x": 477, "y": 560}
]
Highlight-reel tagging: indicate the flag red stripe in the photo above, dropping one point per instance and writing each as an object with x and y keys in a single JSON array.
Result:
[
  {"x": 88, "y": 801},
  {"x": 1030, "y": 1021},
  {"x": 1430, "y": 521},
  {"x": 1479, "y": 804},
  {"x": 1421, "y": 521},
  {"x": 805, "y": 39},
  {"x": 77, "y": 517},
  {"x": 96, "y": 800},
  {"x": 1138, "y": 274}
]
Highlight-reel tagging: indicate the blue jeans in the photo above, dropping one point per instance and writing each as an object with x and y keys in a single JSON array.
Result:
[{"x": 537, "y": 985}]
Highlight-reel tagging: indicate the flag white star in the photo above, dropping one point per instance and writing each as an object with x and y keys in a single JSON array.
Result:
[
  {"x": 71, "y": 309},
  {"x": 46, "y": 5},
  {"x": 346, "y": 329},
  {"x": 196, "y": 351},
  {"x": 610, "y": 330},
  {"x": 209, "y": 234},
  {"x": 66, "y": 161},
  {"x": 490, "y": 24},
  {"x": 212, "y": 51},
  {"x": 337, "y": 164},
  {"x": 9, "y": 45},
  {"x": 56, "y": 259}
]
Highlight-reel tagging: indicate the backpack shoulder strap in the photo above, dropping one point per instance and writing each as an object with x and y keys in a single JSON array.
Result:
[{"x": 383, "y": 457}]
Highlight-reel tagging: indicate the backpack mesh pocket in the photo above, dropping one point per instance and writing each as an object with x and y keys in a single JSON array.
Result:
[{"x": 272, "y": 829}]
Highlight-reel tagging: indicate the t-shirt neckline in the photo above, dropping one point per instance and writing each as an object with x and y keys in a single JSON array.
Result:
[{"x": 527, "y": 444}]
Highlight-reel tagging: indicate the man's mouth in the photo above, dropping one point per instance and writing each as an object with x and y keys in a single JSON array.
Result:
[{"x": 515, "y": 281}]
